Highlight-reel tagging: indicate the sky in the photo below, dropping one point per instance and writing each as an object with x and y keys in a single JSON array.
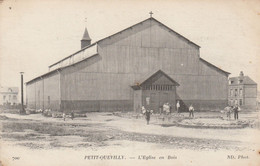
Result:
[{"x": 35, "y": 34}]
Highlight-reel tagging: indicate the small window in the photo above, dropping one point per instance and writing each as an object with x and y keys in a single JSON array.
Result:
[
  {"x": 240, "y": 81},
  {"x": 235, "y": 92},
  {"x": 231, "y": 92},
  {"x": 240, "y": 92},
  {"x": 240, "y": 102}
]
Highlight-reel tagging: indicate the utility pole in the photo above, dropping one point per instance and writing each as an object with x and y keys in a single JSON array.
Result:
[{"x": 22, "y": 111}]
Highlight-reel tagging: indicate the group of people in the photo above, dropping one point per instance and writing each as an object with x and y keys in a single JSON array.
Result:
[
  {"x": 71, "y": 115},
  {"x": 230, "y": 109},
  {"x": 167, "y": 109}
]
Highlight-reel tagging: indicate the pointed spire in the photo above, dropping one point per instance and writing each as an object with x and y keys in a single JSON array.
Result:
[
  {"x": 86, "y": 35},
  {"x": 85, "y": 41}
]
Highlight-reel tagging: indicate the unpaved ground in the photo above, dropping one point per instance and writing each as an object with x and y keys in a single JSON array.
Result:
[{"x": 101, "y": 132}]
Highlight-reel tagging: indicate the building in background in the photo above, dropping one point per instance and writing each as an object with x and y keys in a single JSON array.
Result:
[
  {"x": 147, "y": 64},
  {"x": 242, "y": 91},
  {"x": 9, "y": 95}
]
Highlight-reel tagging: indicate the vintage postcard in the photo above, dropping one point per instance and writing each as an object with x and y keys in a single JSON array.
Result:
[{"x": 169, "y": 82}]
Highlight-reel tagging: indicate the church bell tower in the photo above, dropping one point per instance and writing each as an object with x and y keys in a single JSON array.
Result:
[{"x": 85, "y": 41}]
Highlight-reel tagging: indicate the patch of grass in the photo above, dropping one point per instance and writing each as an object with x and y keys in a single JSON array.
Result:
[
  {"x": 52, "y": 129},
  {"x": 2, "y": 117},
  {"x": 10, "y": 111},
  {"x": 21, "y": 137},
  {"x": 32, "y": 145},
  {"x": 44, "y": 128}
]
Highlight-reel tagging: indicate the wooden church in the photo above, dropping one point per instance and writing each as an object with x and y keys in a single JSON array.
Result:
[{"x": 147, "y": 64}]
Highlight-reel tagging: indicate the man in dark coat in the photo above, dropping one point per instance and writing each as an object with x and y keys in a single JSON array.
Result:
[
  {"x": 147, "y": 116},
  {"x": 236, "y": 109},
  {"x": 72, "y": 115}
]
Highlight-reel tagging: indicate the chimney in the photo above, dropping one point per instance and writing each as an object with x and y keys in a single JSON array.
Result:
[
  {"x": 85, "y": 41},
  {"x": 241, "y": 74}
]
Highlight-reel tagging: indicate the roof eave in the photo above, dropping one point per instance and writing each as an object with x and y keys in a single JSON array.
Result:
[
  {"x": 58, "y": 69},
  {"x": 223, "y": 71},
  {"x": 73, "y": 54}
]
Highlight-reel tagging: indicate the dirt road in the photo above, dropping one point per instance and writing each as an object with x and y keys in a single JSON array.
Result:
[{"x": 101, "y": 132}]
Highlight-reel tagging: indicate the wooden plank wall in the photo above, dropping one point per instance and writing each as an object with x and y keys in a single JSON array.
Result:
[
  {"x": 30, "y": 96},
  {"x": 40, "y": 91},
  {"x": 125, "y": 58}
]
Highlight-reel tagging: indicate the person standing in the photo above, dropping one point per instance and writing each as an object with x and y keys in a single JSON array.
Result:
[
  {"x": 178, "y": 106},
  {"x": 72, "y": 115},
  {"x": 64, "y": 116},
  {"x": 191, "y": 110},
  {"x": 167, "y": 108},
  {"x": 236, "y": 109},
  {"x": 147, "y": 116},
  {"x": 228, "y": 110},
  {"x": 143, "y": 110},
  {"x": 170, "y": 107}
]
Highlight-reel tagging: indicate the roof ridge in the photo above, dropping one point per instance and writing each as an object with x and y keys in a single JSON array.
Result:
[{"x": 150, "y": 18}]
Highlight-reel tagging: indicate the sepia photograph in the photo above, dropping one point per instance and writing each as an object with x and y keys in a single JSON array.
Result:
[{"x": 169, "y": 82}]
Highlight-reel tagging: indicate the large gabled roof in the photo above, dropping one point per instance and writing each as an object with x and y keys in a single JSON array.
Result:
[
  {"x": 152, "y": 19},
  {"x": 124, "y": 30}
]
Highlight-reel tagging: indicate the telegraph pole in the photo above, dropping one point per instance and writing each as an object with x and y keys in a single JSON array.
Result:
[{"x": 22, "y": 111}]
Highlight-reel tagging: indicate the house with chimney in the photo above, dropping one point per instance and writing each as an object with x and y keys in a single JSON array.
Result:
[{"x": 242, "y": 91}]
